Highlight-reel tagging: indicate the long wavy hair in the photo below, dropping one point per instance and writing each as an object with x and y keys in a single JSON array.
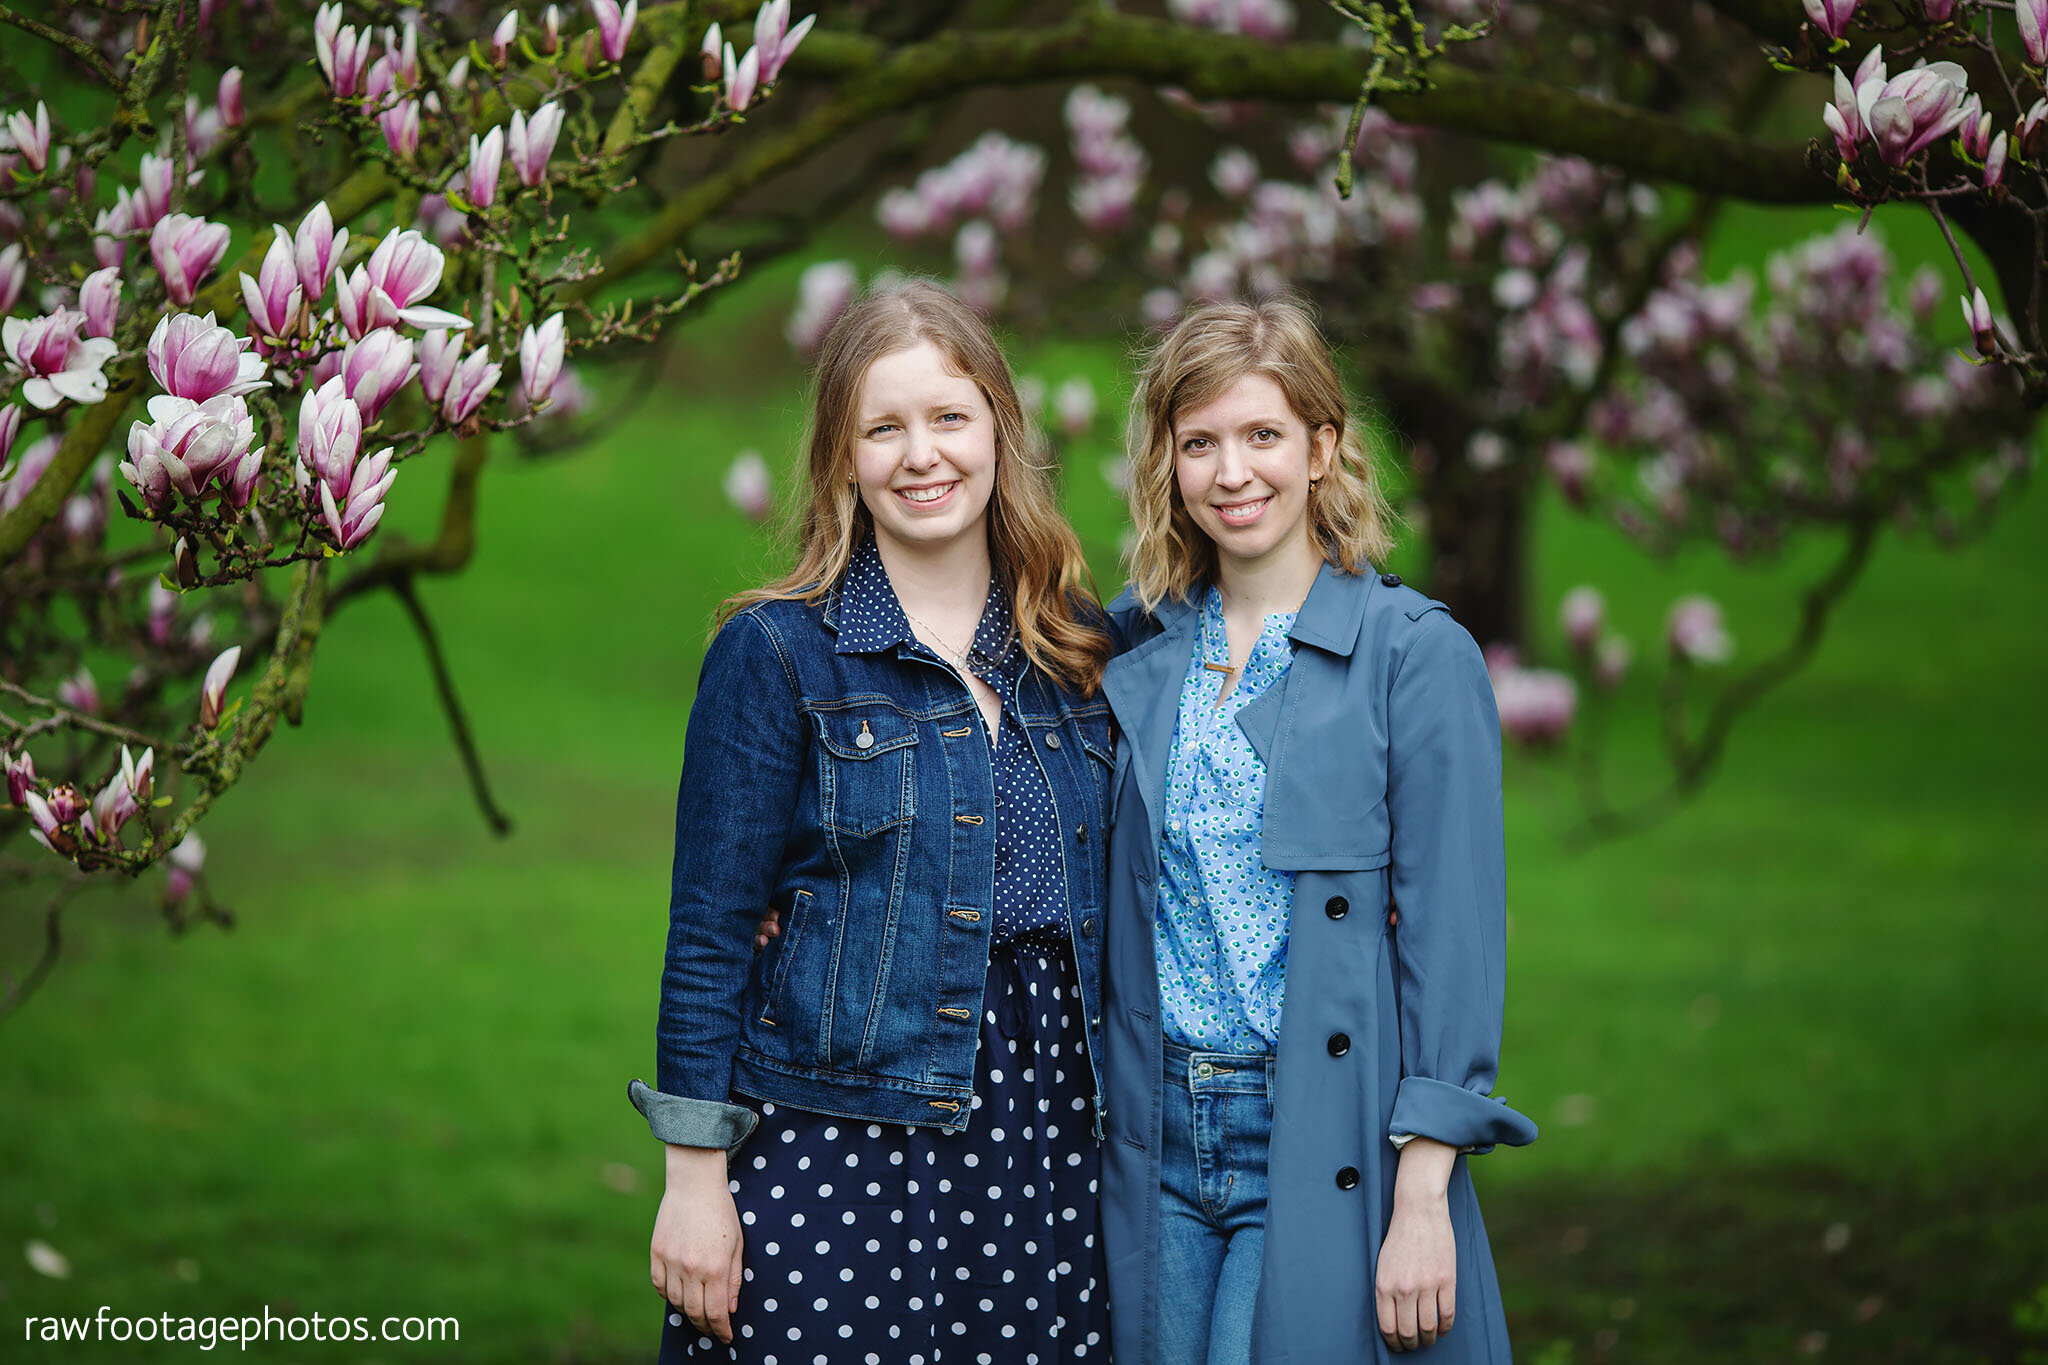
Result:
[
  {"x": 1209, "y": 349},
  {"x": 1034, "y": 553}
]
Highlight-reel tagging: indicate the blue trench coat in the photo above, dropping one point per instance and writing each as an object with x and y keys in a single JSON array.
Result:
[{"x": 1382, "y": 750}]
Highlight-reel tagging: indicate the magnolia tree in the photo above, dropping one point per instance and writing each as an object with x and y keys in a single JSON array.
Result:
[
  {"x": 257, "y": 258},
  {"x": 1532, "y": 320},
  {"x": 208, "y": 413}
]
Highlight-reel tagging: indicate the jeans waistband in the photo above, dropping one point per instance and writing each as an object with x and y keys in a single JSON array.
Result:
[{"x": 1219, "y": 1072}]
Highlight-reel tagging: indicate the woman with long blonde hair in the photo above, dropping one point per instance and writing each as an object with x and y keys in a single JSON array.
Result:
[
  {"x": 1306, "y": 890},
  {"x": 882, "y": 1130}
]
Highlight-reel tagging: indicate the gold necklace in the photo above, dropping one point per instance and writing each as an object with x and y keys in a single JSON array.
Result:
[{"x": 958, "y": 656}]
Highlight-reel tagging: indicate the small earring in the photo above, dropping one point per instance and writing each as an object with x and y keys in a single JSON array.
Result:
[{"x": 1312, "y": 484}]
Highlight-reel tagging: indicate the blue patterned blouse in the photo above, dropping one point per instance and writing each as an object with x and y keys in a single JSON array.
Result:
[{"x": 1221, "y": 932}]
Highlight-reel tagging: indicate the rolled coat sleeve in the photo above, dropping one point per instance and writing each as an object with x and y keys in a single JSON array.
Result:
[
  {"x": 742, "y": 757},
  {"x": 1450, "y": 888}
]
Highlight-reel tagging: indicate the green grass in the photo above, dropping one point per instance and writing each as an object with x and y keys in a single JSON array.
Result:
[{"x": 1813, "y": 998}]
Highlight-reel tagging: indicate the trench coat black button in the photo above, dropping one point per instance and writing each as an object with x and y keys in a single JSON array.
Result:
[
  {"x": 1081, "y": 833},
  {"x": 1340, "y": 1043},
  {"x": 1347, "y": 1179},
  {"x": 1392, "y": 580},
  {"x": 1337, "y": 907},
  {"x": 1088, "y": 927},
  {"x": 1052, "y": 741}
]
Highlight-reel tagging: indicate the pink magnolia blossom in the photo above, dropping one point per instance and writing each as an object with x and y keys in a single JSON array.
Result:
[
  {"x": 112, "y": 807},
  {"x": 502, "y": 36},
  {"x": 163, "y": 614},
  {"x": 1073, "y": 406},
  {"x": 48, "y": 818},
  {"x": 1536, "y": 704},
  {"x": 21, "y": 777},
  {"x": 440, "y": 350},
  {"x": 749, "y": 487},
  {"x": 401, "y": 127},
  {"x": 710, "y": 52},
  {"x": 1994, "y": 163},
  {"x": 57, "y": 363},
  {"x": 34, "y": 460},
  {"x": 375, "y": 368},
  {"x": 1234, "y": 173},
  {"x": 551, "y": 29},
  {"x": 227, "y": 100},
  {"x": 182, "y": 867},
  {"x": 10, "y": 428},
  {"x": 823, "y": 292},
  {"x": 80, "y": 692},
  {"x": 1582, "y": 613},
  {"x": 1695, "y": 633},
  {"x": 1975, "y": 129},
  {"x": 13, "y": 275},
  {"x": 1610, "y": 662},
  {"x": 351, "y": 517},
  {"x": 276, "y": 300},
  {"x": 109, "y": 229},
  {"x": 486, "y": 157},
  {"x": 343, "y": 53},
  {"x": 1977, "y": 316},
  {"x": 1938, "y": 11},
  {"x": 614, "y": 26},
  {"x": 192, "y": 357},
  {"x": 1908, "y": 113},
  {"x": 388, "y": 288},
  {"x": 471, "y": 383},
  {"x": 330, "y": 434},
  {"x": 186, "y": 250},
  {"x": 1831, "y": 16},
  {"x": 31, "y": 136},
  {"x": 213, "y": 691},
  {"x": 151, "y": 198},
  {"x": 775, "y": 40},
  {"x": 742, "y": 77},
  {"x": 2033, "y": 21},
  {"x": 1570, "y": 468},
  {"x": 317, "y": 248},
  {"x": 540, "y": 359},
  {"x": 192, "y": 448},
  {"x": 532, "y": 141},
  {"x": 99, "y": 298}
]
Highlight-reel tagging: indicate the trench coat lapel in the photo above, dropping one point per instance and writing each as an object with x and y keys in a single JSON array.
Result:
[
  {"x": 1143, "y": 687},
  {"x": 1317, "y": 803}
]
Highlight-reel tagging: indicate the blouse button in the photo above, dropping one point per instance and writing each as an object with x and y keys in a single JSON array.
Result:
[
  {"x": 1337, "y": 907},
  {"x": 1347, "y": 1179},
  {"x": 1052, "y": 741}
]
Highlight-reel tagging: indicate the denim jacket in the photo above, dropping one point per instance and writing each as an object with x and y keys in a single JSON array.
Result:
[{"x": 853, "y": 791}]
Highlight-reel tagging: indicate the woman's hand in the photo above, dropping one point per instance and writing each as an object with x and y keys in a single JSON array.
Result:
[
  {"x": 769, "y": 927},
  {"x": 1416, "y": 1287},
  {"x": 694, "y": 1258}
]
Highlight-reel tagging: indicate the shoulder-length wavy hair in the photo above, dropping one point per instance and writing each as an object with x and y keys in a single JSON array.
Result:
[
  {"x": 1209, "y": 349},
  {"x": 1034, "y": 553}
]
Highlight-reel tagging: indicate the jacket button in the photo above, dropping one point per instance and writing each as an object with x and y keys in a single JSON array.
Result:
[
  {"x": 1347, "y": 1179},
  {"x": 1340, "y": 1043},
  {"x": 1336, "y": 907},
  {"x": 1392, "y": 580},
  {"x": 1052, "y": 741},
  {"x": 1088, "y": 927}
]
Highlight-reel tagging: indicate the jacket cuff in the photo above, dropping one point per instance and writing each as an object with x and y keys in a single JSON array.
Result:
[
  {"x": 1456, "y": 1116},
  {"x": 687, "y": 1122}
]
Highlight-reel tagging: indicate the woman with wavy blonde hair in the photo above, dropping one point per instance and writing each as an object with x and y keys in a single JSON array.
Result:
[
  {"x": 1306, "y": 744},
  {"x": 882, "y": 1130}
]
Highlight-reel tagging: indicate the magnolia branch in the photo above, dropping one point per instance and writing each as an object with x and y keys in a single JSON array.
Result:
[{"x": 1693, "y": 759}]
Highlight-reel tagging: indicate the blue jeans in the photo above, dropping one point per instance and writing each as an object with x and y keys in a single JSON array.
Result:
[{"x": 1212, "y": 1226}]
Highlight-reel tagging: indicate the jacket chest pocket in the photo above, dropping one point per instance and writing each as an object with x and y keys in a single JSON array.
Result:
[{"x": 866, "y": 774}]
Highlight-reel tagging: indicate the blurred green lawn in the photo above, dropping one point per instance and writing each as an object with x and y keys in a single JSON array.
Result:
[{"x": 1787, "y": 1050}]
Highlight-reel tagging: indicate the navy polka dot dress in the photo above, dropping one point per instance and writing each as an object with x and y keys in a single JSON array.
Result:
[{"x": 896, "y": 1245}]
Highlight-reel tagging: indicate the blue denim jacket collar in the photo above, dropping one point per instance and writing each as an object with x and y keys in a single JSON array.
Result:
[{"x": 868, "y": 618}]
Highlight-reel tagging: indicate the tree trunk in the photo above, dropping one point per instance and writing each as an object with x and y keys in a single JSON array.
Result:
[{"x": 1478, "y": 539}]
